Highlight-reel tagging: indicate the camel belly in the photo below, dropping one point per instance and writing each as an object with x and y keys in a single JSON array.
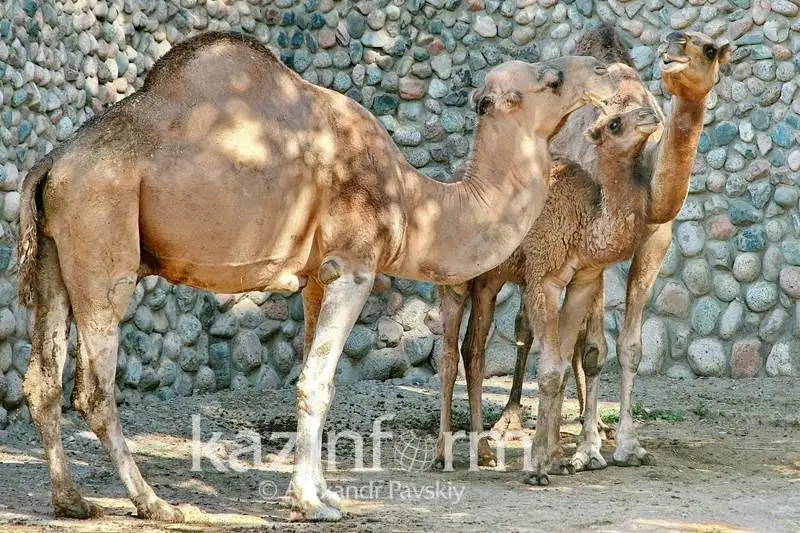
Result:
[{"x": 226, "y": 233}]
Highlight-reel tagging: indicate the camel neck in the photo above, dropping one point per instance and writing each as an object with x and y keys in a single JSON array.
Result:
[
  {"x": 457, "y": 231},
  {"x": 672, "y": 172}
]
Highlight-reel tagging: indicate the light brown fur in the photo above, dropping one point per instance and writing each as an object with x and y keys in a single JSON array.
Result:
[
  {"x": 587, "y": 223},
  {"x": 228, "y": 172}
]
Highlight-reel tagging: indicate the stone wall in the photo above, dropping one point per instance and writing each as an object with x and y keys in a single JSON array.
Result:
[{"x": 723, "y": 305}]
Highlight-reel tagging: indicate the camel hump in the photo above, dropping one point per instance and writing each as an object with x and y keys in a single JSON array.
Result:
[
  {"x": 604, "y": 44},
  {"x": 182, "y": 54}
]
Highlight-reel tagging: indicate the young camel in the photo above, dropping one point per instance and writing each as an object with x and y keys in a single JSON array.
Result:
[
  {"x": 690, "y": 64},
  {"x": 291, "y": 187},
  {"x": 588, "y": 222}
]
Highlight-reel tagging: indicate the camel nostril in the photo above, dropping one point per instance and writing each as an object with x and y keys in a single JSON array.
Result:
[{"x": 675, "y": 37}]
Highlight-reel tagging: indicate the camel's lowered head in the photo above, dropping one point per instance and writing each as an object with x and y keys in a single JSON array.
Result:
[
  {"x": 624, "y": 135},
  {"x": 690, "y": 63},
  {"x": 538, "y": 97}
]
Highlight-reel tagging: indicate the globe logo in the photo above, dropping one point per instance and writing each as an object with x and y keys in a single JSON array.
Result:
[{"x": 414, "y": 450}]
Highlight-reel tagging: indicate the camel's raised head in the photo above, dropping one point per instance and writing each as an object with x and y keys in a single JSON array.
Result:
[
  {"x": 690, "y": 63},
  {"x": 624, "y": 133},
  {"x": 540, "y": 96}
]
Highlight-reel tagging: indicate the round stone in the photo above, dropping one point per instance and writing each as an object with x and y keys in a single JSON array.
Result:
[
  {"x": 691, "y": 237},
  {"x": 704, "y": 316},
  {"x": 746, "y": 358},
  {"x": 726, "y": 288},
  {"x": 697, "y": 276},
  {"x": 707, "y": 357},
  {"x": 773, "y": 325},
  {"x": 731, "y": 321},
  {"x": 746, "y": 267},
  {"x": 790, "y": 281},
  {"x": 779, "y": 361},
  {"x": 761, "y": 296}
]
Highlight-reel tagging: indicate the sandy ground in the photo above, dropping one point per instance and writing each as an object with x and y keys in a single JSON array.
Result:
[{"x": 731, "y": 464}]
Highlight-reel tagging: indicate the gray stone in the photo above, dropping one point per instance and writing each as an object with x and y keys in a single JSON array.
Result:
[
  {"x": 697, "y": 276},
  {"x": 761, "y": 296},
  {"x": 732, "y": 320},
  {"x": 281, "y": 354},
  {"x": 780, "y": 361},
  {"x": 189, "y": 328},
  {"x": 418, "y": 346},
  {"x": 747, "y": 267},
  {"x": 707, "y": 357},
  {"x": 705, "y": 315},
  {"x": 205, "y": 380},
  {"x": 691, "y": 237},
  {"x": 680, "y": 371},
  {"x": 384, "y": 364},
  {"x": 246, "y": 353},
  {"x": 726, "y": 288},
  {"x": 360, "y": 341},
  {"x": 655, "y": 346},
  {"x": 265, "y": 378},
  {"x": 773, "y": 325}
]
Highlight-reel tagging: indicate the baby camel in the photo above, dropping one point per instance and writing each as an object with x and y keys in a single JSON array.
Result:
[{"x": 585, "y": 226}]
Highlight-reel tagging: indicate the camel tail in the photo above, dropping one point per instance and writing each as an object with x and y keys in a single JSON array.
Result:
[{"x": 27, "y": 251}]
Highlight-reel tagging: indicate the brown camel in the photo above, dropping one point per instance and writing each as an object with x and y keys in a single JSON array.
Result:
[
  {"x": 228, "y": 172},
  {"x": 690, "y": 63},
  {"x": 588, "y": 222}
]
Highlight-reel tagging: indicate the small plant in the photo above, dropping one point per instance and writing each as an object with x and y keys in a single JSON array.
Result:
[
  {"x": 609, "y": 416},
  {"x": 640, "y": 412},
  {"x": 701, "y": 411}
]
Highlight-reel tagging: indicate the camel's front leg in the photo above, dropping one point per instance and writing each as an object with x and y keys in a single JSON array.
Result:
[
  {"x": 644, "y": 270},
  {"x": 344, "y": 296},
  {"x": 541, "y": 300},
  {"x": 454, "y": 298},
  {"x": 583, "y": 294},
  {"x": 510, "y": 421}
]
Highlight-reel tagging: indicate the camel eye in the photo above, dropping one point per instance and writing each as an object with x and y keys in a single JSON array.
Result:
[
  {"x": 614, "y": 125},
  {"x": 710, "y": 51}
]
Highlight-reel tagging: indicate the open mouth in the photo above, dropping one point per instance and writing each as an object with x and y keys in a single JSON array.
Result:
[{"x": 671, "y": 64}]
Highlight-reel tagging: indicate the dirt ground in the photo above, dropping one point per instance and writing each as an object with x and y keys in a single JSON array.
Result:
[{"x": 731, "y": 464}]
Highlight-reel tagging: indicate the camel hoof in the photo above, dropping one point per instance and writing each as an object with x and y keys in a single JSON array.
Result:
[
  {"x": 331, "y": 499},
  {"x": 562, "y": 469},
  {"x": 316, "y": 513},
  {"x": 160, "y": 511},
  {"x": 646, "y": 459},
  {"x": 77, "y": 508},
  {"x": 438, "y": 464},
  {"x": 536, "y": 479},
  {"x": 591, "y": 460}
]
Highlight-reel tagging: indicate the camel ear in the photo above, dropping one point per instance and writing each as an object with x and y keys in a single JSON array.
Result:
[
  {"x": 593, "y": 135},
  {"x": 724, "y": 53}
]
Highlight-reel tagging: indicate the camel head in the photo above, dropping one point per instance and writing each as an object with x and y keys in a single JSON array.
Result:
[
  {"x": 625, "y": 134},
  {"x": 539, "y": 97},
  {"x": 690, "y": 63}
]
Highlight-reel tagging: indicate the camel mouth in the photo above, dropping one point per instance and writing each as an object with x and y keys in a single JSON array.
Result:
[{"x": 673, "y": 64}]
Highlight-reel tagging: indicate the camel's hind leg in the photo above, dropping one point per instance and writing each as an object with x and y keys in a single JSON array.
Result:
[
  {"x": 100, "y": 278},
  {"x": 454, "y": 299},
  {"x": 511, "y": 419},
  {"x": 484, "y": 294},
  {"x": 43, "y": 381}
]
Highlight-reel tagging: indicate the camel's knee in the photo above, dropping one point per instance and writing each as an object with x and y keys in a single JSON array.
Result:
[
  {"x": 96, "y": 405},
  {"x": 550, "y": 383},
  {"x": 595, "y": 352},
  {"x": 43, "y": 394},
  {"x": 630, "y": 354},
  {"x": 119, "y": 295},
  {"x": 313, "y": 397}
]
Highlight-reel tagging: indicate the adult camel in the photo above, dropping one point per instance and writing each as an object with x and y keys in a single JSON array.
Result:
[{"x": 228, "y": 172}]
